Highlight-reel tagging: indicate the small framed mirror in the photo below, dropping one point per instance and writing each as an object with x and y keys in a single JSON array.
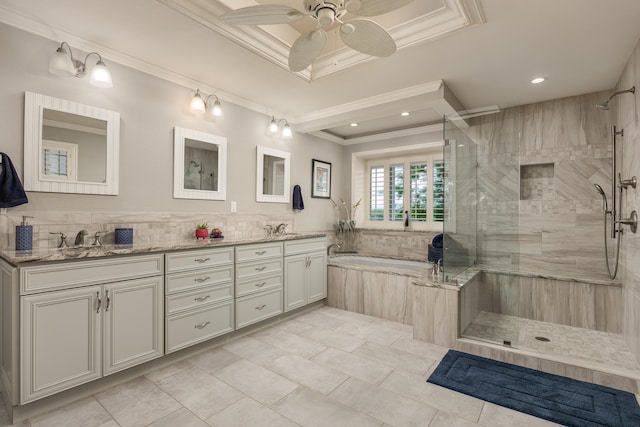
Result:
[
  {"x": 199, "y": 165},
  {"x": 70, "y": 147},
  {"x": 272, "y": 175}
]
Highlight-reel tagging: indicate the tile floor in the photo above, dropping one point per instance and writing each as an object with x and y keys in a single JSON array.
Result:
[
  {"x": 568, "y": 341},
  {"x": 326, "y": 367}
]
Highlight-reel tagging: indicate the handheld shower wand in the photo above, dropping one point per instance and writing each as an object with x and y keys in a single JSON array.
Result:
[{"x": 605, "y": 205}]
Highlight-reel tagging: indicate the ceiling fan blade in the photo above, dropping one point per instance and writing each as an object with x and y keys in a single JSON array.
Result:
[
  {"x": 374, "y": 7},
  {"x": 367, "y": 37},
  {"x": 306, "y": 49},
  {"x": 262, "y": 15}
]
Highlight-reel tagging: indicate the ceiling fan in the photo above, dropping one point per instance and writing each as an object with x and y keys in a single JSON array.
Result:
[{"x": 360, "y": 34}]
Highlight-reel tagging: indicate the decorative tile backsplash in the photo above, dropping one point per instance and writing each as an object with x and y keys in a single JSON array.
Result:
[{"x": 148, "y": 227}]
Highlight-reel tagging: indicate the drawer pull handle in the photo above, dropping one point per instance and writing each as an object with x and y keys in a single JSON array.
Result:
[
  {"x": 201, "y": 279},
  {"x": 99, "y": 301},
  {"x": 261, "y": 268},
  {"x": 261, "y": 284},
  {"x": 200, "y": 299},
  {"x": 261, "y": 252},
  {"x": 260, "y": 307},
  {"x": 201, "y": 260},
  {"x": 106, "y": 308},
  {"x": 201, "y": 325}
]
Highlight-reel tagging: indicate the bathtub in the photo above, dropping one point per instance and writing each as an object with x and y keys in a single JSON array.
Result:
[
  {"x": 399, "y": 266},
  {"x": 379, "y": 287}
]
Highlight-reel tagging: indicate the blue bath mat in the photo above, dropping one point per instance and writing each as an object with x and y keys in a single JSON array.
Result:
[{"x": 551, "y": 397}]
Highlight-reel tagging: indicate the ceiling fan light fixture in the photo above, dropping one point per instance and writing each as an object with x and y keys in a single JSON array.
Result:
[
  {"x": 326, "y": 16},
  {"x": 347, "y": 28}
]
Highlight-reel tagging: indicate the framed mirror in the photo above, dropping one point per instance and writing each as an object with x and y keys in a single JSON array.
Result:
[
  {"x": 70, "y": 147},
  {"x": 272, "y": 175},
  {"x": 199, "y": 165}
]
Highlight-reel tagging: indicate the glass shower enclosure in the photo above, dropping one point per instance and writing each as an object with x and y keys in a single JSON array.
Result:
[{"x": 481, "y": 224}]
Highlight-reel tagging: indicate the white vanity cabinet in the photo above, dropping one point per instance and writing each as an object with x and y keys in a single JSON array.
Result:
[
  {"x": 199, "y": 301},
  {"x": 305, "y": 272},
  {"x": 259, "y": 282},
  {"x": 84, "y": 327}
]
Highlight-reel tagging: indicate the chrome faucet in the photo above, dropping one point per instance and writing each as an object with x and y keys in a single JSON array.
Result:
[
  {"x": 96, "y": 238},
  {"x": 63, "y": 240},
  {"x": 80, "y": 238},
  {"x": 337, "y": 245},
  {"x": 281, "y": 228},
  {"x": 269, "y": 229}
]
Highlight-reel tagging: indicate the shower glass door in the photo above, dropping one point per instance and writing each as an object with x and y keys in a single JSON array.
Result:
[{"x": 482, "y": 187}]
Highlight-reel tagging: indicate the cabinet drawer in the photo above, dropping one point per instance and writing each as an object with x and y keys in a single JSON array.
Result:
[
  {"x": 199, "y": 325},
  {"x": 258, "y": 284},
  {"x": 200, "y": 297},
  {"x": 190, "y": 260},
  {"x": 64, "y": 275},
  {"x": 254, "y": 308},
  {"x": 198, "y": 279},
  {"x": 258, "y": 269},
  {"x": 302, "y": 246},
  {"x": 259, "y": 251}
]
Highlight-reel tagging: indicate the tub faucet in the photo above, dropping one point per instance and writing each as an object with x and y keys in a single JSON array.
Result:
[
  {"x": 80, "y": 238},
  {"x": 333, "y": 245}
]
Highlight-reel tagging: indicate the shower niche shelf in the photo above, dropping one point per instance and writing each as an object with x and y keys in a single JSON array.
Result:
[{"x": 536, "y": 182}]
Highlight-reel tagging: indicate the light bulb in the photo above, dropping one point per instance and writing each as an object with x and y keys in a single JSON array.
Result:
[
  {"x": 286, "y": 131},
  {"x": 197, "y": 103},
  {"x": 217, "y": 109},
  {"x": 273, "y": 125},
  {"x": 60, "y": 63},
  {"x": 100, "y": 76}
]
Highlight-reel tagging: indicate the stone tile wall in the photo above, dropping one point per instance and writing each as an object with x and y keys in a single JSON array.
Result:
[
  {"x": 626, "y": 113},
  {"x": 537, "y": 207},
  {"x": 412, "y": 245},
  {"x": 154, "y": 228}
]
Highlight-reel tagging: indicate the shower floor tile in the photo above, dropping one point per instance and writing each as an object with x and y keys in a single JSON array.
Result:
[{"x": 567, "y": 341}]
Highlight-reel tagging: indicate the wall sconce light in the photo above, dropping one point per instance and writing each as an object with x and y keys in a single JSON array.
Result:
[
  {"x": 63, "y": 63},
  {"x": 204, "y": 105},
  {"x": 274, "y": 126}
]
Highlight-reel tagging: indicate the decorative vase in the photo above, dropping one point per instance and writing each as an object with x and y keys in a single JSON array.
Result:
[{"x": 202, "y": 233}]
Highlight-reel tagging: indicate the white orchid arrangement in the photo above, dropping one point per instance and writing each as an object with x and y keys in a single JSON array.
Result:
[{"x": 348, "y": 224}]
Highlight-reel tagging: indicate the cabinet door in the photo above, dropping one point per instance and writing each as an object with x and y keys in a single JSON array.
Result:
[
  {"x": 317, "y": 287},
  {"x": 60, "y": 341},
  {"x": 133, "y": 323},
  {"x": 295, "y": 273}
]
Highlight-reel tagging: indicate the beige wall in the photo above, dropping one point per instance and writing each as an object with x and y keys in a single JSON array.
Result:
[
  {"x": 626, "y": 113},
  {"x": 149, "y": 108}
]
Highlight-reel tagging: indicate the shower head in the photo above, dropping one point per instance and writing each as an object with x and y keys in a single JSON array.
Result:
[
  {"x": 605, "y": 104},
  {"x": 605, "y": 205}
]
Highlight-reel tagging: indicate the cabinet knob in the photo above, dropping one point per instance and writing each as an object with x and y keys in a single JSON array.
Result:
[
  {"x": 260, "y": 307},
  {"x": 201, "y": 325},
  {"x": 201, "y": 260},
  {"x": 200, "y": 299},
  {"x": 201, "y": 279}
]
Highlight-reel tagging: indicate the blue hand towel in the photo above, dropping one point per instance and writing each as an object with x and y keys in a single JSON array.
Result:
[
  {"x": 298, "y": 204},
  {"x": 11, "y": 191}
]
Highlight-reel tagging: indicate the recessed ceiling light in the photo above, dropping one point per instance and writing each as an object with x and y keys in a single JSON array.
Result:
[
  {"x": 538, "y": 80},
  {"x": 405, "y": 114},
  {"x": 353, "y": 125}
]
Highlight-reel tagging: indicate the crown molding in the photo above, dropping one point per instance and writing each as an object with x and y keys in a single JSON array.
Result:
[{"x": 420, "y": 130}]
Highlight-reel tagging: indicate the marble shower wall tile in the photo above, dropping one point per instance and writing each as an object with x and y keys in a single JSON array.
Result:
[
  {"x": 410, "y": 244},
  {"x": 626, "y": 112}
]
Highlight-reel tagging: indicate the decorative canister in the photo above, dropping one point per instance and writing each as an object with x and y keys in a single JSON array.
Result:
[
  {"x": 124, "y": 236},
  {"x": 24, "y": 235}
]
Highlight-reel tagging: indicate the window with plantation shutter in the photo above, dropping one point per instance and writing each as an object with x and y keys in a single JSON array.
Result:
[{"x": 413, "y": 184}]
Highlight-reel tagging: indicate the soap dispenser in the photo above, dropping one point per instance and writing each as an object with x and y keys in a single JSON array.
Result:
[{"x": 24, "y": 235}]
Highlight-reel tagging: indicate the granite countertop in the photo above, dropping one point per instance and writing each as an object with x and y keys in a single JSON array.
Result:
[{"x": 46, "y": 255}]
